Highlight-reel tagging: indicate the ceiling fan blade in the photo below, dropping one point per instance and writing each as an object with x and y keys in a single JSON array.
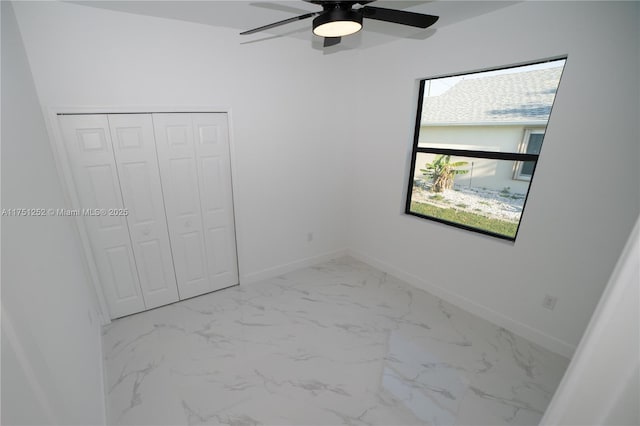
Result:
[
  {"x": 277, "y": 24},
  {"x": 403, "y": 17},
  {"x": 331, "y": 41}
]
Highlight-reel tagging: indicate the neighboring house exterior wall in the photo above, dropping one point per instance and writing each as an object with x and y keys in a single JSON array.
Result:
[
  {"x": 491, "y": 174},
  {"x": 492, "y": 112}
]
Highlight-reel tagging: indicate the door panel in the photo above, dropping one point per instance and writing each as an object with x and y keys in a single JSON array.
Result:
[
  {"x": 214, "y": 194},
  {"x": 87, "y": 142},
  {"x": 191, "y": 248},
  {"x": 176, "y": 155},
  {"x": 135, "y": 155},
  {"x": 103, "y": 191},
  {"x": 135, "y": 176},
  {"x": 182, "y": 186},
  {"x": 212, "y": 151},
  {"x": 151, "y": 254},
  {"x": 193, "y": 151},
  {"x": 122, "y": 271},
  {"x": 219, "y": 247}
]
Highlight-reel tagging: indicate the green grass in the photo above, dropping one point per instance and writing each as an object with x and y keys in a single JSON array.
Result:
[{"x": 473, "y": 220}]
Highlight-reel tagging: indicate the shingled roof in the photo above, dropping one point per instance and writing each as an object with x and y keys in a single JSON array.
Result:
[{"x": 524, "y": 97}]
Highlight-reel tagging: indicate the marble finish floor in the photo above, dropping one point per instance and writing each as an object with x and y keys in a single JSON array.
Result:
[{"x": 338, "y": 343}]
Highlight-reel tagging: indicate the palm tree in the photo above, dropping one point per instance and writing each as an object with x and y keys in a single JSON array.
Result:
[{"x": 443, "y": 171}]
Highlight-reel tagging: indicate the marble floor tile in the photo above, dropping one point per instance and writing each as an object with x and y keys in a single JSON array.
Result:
[{"x": 338, "y": 343}]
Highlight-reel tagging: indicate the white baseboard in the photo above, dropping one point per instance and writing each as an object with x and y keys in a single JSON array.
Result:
[
  {"x": 291, "y": 266},
  {"x": 546, "y": 341}
]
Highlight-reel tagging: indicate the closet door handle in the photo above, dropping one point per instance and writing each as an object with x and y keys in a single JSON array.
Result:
[
  {"x": 146, "y": 231},
  {"x": 188, "y": 223}
]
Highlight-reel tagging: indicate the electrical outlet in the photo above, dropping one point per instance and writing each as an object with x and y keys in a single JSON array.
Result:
[
  {"x": 310, "y": 237},
  {"x": 549, "y": 302}
]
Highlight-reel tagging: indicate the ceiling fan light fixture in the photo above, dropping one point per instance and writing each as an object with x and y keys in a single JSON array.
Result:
[{"x": 337, "y": 23}]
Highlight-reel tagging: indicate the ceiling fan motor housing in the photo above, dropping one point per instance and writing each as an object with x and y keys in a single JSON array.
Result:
[{"x": 337, "y": 21}]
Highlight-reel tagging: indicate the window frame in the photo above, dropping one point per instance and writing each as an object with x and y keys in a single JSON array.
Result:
[
  {"x": 522, "y": 148},
  {"x": 495, "y": 155}
]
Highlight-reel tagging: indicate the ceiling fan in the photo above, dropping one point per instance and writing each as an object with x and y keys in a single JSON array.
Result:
[{"x": 339, "y": 18}]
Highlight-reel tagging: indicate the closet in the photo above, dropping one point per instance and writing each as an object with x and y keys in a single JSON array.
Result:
[{"x": 154, "y": 195}]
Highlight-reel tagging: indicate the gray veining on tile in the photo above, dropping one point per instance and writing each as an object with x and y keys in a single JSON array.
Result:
[{"x": 338, "y": 343}]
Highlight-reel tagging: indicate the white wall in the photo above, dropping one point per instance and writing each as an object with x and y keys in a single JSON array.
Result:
[
  {"x": 288, "y": 137},
  {"x": 51, "y": 340},
  {"x": 598, "y": 388},
  {"x": 584, "y": 198}
]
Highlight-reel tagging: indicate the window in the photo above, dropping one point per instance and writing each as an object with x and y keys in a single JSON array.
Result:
[
  {"x": 531, "y": 144},
  {"x": 478, "y": 138}
]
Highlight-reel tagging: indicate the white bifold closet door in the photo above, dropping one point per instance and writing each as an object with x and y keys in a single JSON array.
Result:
[
  {"x": 135, "y": 152},
  {"x": 171, "y": 172},
  {"x": 114, "y": 165},
  {"x": 193, "y": 152}
]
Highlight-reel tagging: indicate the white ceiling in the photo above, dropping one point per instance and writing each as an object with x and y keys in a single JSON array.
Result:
[{"x": 244, "y": 15}]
